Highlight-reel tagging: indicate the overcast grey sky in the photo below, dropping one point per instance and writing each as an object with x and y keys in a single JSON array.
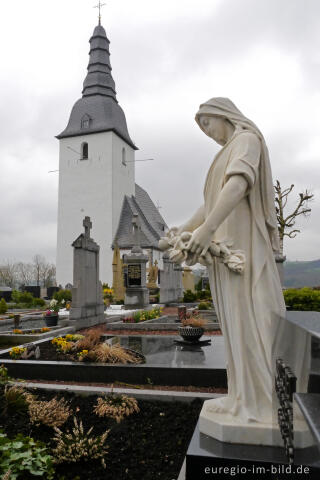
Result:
[{"x": 167, "y": 58}]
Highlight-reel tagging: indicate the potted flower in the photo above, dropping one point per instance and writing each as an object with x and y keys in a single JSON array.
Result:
[
  {"x": 192, "y": 328},
  {"x": 51, "y": 316}
]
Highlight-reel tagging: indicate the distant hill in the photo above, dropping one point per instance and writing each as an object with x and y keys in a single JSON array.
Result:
[{"x": 302, "y": 274}]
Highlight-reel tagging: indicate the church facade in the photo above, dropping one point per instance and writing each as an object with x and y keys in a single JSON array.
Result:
[{"x": 97, "y": 173}]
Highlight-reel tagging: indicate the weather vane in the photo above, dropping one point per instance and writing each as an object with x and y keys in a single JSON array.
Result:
[{"x": 100, "y": 5}]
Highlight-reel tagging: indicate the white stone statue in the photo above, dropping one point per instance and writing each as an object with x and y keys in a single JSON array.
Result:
[{"x": 235, "y": 234}]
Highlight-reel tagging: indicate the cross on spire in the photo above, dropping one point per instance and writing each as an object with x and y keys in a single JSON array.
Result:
[
  {"x": 100, "y": 5},
  {"x": 87, "y": 226}
]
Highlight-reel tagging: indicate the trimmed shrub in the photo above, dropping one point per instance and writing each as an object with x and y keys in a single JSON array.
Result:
[
  {"x": 203, "y": 306},
  {"x": 189, "y": 296},
  {"x": 305, "y": 299},
  {"x": 22, "y": 297},
  {"x": 3, "y": 306},
  {"x": 38, "y": 302},
  {"x": 65, "y": 295}
]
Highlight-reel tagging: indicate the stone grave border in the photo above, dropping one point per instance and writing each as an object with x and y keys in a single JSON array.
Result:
[{"x": 12, "y": 338}]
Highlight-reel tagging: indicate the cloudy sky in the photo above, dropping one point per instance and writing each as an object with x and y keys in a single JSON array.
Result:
[{"x": 167, "y": 58}]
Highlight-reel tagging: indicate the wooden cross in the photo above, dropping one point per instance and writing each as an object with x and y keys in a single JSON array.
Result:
[
  {"x": 87, "y": 226},
  {"x": 100, "y": 5}
]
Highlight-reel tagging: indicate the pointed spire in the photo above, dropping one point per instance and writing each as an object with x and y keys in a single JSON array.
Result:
[
  {"x": 98, "y": 109},
  {"x": 99, "y": 79}
]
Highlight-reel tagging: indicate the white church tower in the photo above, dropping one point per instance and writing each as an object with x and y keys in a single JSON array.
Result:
[{"x": 96, "y": 164}]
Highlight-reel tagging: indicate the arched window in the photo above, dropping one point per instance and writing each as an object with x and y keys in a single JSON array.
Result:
[
  {"x": 84, "y": 151},
  {"x": 124, "y": 154}
]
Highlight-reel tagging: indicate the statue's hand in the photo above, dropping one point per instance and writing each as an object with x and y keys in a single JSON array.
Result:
[{"x": 200, "y": 241}]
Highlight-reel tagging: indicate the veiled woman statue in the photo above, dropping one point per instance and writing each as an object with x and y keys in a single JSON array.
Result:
[{"x": 238, "y": 217}]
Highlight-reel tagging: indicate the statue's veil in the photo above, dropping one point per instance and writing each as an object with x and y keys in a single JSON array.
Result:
[{"x": 223, "y": 107}]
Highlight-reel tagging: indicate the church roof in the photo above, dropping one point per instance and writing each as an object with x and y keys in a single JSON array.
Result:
[
  {"x": 152, "y": 224},
  {"x": 98, "y": 109}
]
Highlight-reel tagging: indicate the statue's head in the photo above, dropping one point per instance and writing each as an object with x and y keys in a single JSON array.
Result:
[
  {"x": 216, "y": 127},
  {"x": 218, "y": 117}
]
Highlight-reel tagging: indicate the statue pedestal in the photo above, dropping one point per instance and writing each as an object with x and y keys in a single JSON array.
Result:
[
  {"x": 223, "y": 427},
  {"x": 209, "y": 458}
]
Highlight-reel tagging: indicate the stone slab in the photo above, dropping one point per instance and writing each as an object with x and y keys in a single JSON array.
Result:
[
  {"x": 206, "y": 455},
  {"x": 309, "y": 321},
  {"x": 309, "y": 405}
]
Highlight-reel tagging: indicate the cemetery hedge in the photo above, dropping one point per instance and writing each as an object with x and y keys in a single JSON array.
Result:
[
  {"x": 303, "y": 299},
  {"x": 26, "y": 300},
  {"x": 3, "y": 306},
  {"x": 154, "y": 450}
]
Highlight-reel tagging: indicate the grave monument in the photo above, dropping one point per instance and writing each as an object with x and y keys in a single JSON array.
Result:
[
  {"x": 137, "y": 294},
  {"x": 171, "y": 288},
  {"x": 87, "y": 306}
]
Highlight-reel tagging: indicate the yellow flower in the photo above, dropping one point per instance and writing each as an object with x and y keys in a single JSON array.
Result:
[{"x": 16, "y": 352}]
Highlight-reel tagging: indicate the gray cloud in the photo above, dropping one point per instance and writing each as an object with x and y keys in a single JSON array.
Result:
[{"x": 165, "y": 63}]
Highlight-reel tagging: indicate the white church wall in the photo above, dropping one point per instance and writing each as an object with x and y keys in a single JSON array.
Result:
[
  {"x": 85, "y": 188},
  {"x": 123, "y": 177}
]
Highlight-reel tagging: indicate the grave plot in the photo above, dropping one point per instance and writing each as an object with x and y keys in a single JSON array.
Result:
[
  {"x": 113, "y": 447},
  {"x": 157, "y": 360},
  {"x": 19, "y": 336}
]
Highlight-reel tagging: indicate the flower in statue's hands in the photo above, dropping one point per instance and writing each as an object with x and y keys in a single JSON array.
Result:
[{"x": 200, "y": 241}]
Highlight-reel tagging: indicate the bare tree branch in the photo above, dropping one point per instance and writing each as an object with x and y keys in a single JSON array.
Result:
[{"x": 285, "y": 223}]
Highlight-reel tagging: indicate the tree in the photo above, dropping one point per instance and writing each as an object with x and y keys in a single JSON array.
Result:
[
  {"x": 24, "y": 273},
  {"x": 286, "y": 222},
  {"x": 44, "y": 272},
  {"x": 8, "y": 274},
  {"x": 15, "y": 275}
]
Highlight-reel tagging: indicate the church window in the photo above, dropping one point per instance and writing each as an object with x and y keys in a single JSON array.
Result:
[
  {"x": 124, "y": 161},
  {"x": 85, "y": 121},
  {"x": 84, "y": 151}
]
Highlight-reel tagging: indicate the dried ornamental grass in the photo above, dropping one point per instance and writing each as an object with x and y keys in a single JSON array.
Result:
[
  {"x": 53, "y": 413},
  {"x": 106, "y": 353},
  {"x": 89, "y": 341},
  {"x": 194, "y": 322},
  {"x": 16, "y": 399},
  {"x": 116, "y": 406},
  {"x": 79, "y": 445}
]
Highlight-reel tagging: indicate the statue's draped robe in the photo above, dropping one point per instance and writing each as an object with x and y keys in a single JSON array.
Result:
[{"x": 250, "y": 307}]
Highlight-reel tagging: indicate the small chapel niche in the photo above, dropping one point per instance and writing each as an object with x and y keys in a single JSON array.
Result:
[
  {"x": 124, "y": 155},
  {"x": 84, "y": 151}
]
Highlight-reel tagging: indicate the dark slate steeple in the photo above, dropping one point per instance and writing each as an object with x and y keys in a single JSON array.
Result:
[
  {"x": 99, "y": 79},
  {"x": 98, "y": 109}
]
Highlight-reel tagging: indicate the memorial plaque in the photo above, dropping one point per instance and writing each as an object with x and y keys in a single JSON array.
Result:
[{"x": 134, "y": 275}]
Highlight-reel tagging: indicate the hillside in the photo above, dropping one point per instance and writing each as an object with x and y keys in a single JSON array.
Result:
[{"x": 302, "y": 274}]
